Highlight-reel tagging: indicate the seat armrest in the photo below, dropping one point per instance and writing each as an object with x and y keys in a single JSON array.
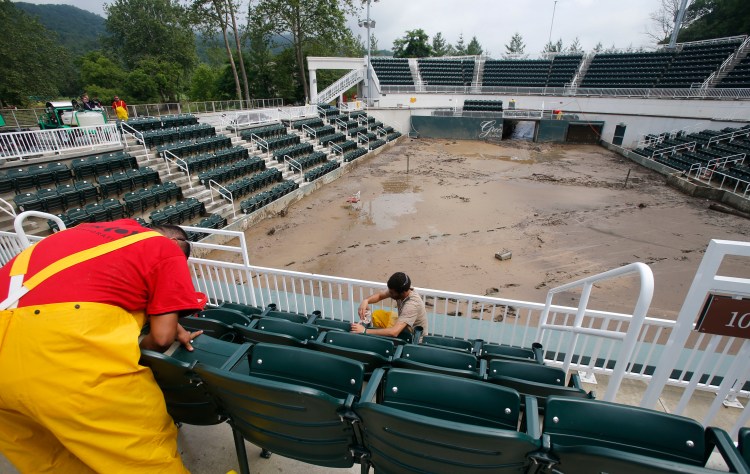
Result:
[
  {"x": 321, "y": 337},
  {"x": 418, "y": 330},
  {"x": 531, "y": 416},
  {"x": 372, "y": 385},
  {"x": 538, "y": 351},
  {"x": 241, "y": 352},
  {"x": 716, "y": 437},
  {"x": 477, "y": 349},
  {"x": 482, "y": 369},
  {"x": 575, "y": 381},
  {"x": 399, "y": 351},
  {"x": 315, "y": 315}
]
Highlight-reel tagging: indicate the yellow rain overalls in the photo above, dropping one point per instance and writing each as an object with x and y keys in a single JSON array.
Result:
[{"x": 73, "y": 398}]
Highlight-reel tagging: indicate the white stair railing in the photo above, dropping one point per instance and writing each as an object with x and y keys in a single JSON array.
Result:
[
  {"x": 309, "y": 131},
  {"x": 7, "y": 208},
  {"x": 223, "y": 192},
  {"x": 671, "y": 150},
  {"x": 727, "y": 62},
  {"x": 294, "y": 164},
  {"x": 128, "y": 130},
  {"x": 337, "y": 150},
  {"x": 259, "y": 142},
  {"x": 362, "y": 138},
  {"x": 172, "y": 159},
  {"x": 349, "y": 80}
]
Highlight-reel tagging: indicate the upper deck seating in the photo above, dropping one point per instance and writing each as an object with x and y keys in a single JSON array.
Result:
[
  {"x": 450, "y": 72},
  {"x": 694, "y": 63},
  {"x": 737, "y": 77},
  {"x": 626, "y": 70},
  {"x": 516, "y": 72},
  {"x": 392, "y": 71},
  {"x": 563, "y": 69}
]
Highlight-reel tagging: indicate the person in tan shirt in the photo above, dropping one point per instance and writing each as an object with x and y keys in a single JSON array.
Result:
[{"x": 411, "y": 310}]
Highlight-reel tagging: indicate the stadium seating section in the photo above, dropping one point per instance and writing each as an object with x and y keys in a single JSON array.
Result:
[
  {"x": 294, "y": 384},
  {"x": 448, "y": 72},
  {"x": 392, "y": 71}
]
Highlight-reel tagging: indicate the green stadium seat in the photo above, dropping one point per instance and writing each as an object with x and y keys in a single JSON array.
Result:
[
  {"x": 278, "y": 331},
  {"x": 434, "y": 359}
]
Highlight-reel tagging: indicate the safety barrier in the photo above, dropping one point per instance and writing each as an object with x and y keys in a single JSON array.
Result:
[{"x": 20, "y": 145}]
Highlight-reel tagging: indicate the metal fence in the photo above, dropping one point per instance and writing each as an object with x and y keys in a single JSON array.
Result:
[{"x": 20, "y": 145}]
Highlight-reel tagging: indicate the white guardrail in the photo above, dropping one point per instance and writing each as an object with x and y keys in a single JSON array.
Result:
[
  {"x": 20, "y": 145},
  {"x": 248, "y": 118}
]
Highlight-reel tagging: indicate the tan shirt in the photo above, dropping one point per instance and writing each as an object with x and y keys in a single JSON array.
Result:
[{"x": 412, "y": 312}]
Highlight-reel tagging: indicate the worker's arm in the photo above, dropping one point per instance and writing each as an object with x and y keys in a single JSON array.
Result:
[
  {"x": 392, "y": 331},
  {"x": 164, "y": 331},
  {"x": 372, "y": 299}
]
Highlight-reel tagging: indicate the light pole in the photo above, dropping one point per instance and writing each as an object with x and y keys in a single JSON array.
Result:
[
  {"x": 554, "y": 7},
  {"x": 369, "y": 24}
]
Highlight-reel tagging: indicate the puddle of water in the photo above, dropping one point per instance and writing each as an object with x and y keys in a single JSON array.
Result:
[{"x": 384, "y": 211}]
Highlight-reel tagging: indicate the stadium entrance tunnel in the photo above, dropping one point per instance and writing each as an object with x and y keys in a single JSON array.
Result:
[{"x": 519, "y": 129}]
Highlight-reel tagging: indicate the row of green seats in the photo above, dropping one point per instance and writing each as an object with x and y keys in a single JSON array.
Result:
[
  {"x": 293, "y": 151},
  {"x": 316, "y": 173},
  {"x": 264, "y": 132},
  {"x": 282, "y": 141},
  {"x": 232, "y": 171},
  {"x": 247, "y": 185},
  {"x": 142, "y": 199},
  {"x": 108, "y": 210},
  {"x": 307, "y": 161},
  {"x": 266, "y": 197}
]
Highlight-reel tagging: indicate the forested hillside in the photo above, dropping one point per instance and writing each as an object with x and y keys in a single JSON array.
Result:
[{"x": 78, "y": 30}]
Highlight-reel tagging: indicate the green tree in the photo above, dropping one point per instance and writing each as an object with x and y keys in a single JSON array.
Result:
[
  {"x": 203, "y": 84},
  {"x": 474, "y": 48},
  {"x": 101, "y": 76},
  {"x": 31, "y": 63},
  {"x": 575, "y": 47},
  {"x": 460, "y": 48},
  {"x": 516, "y": 47},
  {"x": 208, "y": 16},
  {"x": 302, "y": 23},
  {"x": 598, "y": 48},
  {"x": 414, "y": 44},
  {"x": 440, "y": 46},
  {"x": 158, "y": 30},
  {"x": 551, "y": 47},
  {"x": 161, "y": 76},
  {"x": 715, "y": 19},
  {"x": 261, "y": 65}
]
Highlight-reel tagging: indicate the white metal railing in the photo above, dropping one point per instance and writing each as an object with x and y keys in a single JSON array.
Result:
[
  {"x": 337, "y": 149},
  {"x": 671, "y": 150},
  {"x": 380, "y": 131},
  {"x": 726, "y": 39},
  {"x": 349, "y": 80},
  {"x": 309, "y": 131},
  {"x": 128, "y": 130},
  {"x": 20, "y": 145},
  {"x": 7, "y": 208},
  {"x": 172, "y": 159},
  {"x": 687, "y": 93},
  {"x": 724, "y": 65},
  {"x": 362, "y": 138},
  {"x": 244, "y": 119},
  {"x": 701, "y": 170},
  {"x": 259, "y": 142},
  {"x": 527, "y": 114},
  {"x": 628, "y": 338},
  {"x": 293, "y": 164},
  {"x": 351, "y": 106},
  {"x": 340, "y": 124},
  {"x": 729, "y": 136},
  {"x": 727, "y": 182},
  {"x": 223, "y": 192}
]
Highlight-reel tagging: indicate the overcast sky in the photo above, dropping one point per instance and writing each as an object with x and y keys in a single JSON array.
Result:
[{"x": 493, "y": 22}]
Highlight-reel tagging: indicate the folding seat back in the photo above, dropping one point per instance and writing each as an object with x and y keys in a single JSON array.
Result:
[
  {"x": 592, "y": 436},
  {"x": 446, "y": 342},
  {"x": 744, "y": 444},
  {"x": 520, "y": 354},
  {"x": 536, "y": 380},
  {"x": 245, "y": 309},
  {"x": 434, "y": 359},
  {"x": 225, "y": 315},
  {"x": 428, "y": 422},
  {"x": 278, "y": 331},
  {"x": 272, "y": 312},
  {"x": 373, "y": 352},
  {"x": 293, "y": 402},
  {"x": 211, "y": 327}
]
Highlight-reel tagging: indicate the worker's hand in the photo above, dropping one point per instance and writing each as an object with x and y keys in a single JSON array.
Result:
[
  {"x": 363, "y": 307},
  {"x": 357, "y": 328},
  {"x": 186, "y": 337}
]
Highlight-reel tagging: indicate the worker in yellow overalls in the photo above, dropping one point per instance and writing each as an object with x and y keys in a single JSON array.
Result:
[{"x": 73, "y": 398}]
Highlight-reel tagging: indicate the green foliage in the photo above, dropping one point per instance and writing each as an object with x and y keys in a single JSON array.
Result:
[
  {"x": 145, "y": 29},
  {"x": 414, "y": 44},
  {"x": 460, "y": 48},
  {"x": 516, "y": 45},
  {"x": 441, "y": 47},
  {"x": 203, "y": 85},
  {"x": 100, "y": 70},
  {"x": 575, "y": 46},
  {"x": 302, "y": 23},
  {"x": 716, "y": 19},
  {"x": 474, "y": 48},
  {"x": 551, "y": 47},
  {"x": 77, "y": 30},
  {"x": 31, "y": 63}
]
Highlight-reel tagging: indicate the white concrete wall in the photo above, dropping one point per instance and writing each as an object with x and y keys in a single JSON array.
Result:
[{"x": 641, "y": 116}]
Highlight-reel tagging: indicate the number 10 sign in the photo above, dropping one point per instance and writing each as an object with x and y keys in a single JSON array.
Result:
[{"x": 725, "y": 316}]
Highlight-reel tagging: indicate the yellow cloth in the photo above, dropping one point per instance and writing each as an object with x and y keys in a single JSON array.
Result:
[
  {"x": 384, "y": 319},
  {"x": 122, "y": 113},
  {"x": 73, "y": 397}
]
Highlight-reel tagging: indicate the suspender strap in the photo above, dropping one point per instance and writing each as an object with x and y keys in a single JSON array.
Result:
[{"x": 21, "y": 265}]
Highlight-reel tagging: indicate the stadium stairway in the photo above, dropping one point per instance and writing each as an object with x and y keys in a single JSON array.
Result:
[{"x": 741, "y": 53}]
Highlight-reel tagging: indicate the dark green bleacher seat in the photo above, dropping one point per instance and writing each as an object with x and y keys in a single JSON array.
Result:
[
  {"x": 520, "y": 354},
  {"x": 434, "y": 359},
  {"x": 744, "y": 444},
  {"x": 245, "y": 309},
  {"x": 439, "y": 424},
  {"x": 446, "y": 342},
  {"x": 272, "y": 312},
  {"x": 332, "y": 324},
  {"x": 211, "y": 327},
  {"x": 373, "y": 352},
  {"x": 187, "y": 400},
  {"x": 591, "y": 437},
  {"x": 28, "y": 202},
  {"x": 536, "y": 380},
  {"x": 225, "y": 315},
  {"x": 278, "y": 331},
  {"x": 293, "y": 402}
]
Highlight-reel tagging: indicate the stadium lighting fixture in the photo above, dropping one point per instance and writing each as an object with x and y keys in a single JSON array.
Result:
[
  {"x": 369, "y": 24},
  {"x": 554, "y": 7}
]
